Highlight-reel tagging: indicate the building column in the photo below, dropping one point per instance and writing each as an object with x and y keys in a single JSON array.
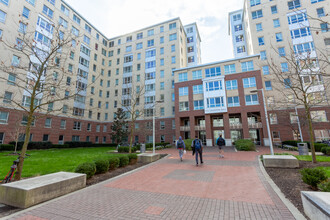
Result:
[
  {"x": 226, "y": 127},
  {"x": 192, "y": 126},
  {"x": 177, "y": 127},
  {"x": 264, "y": 129},
  {"x": 245, "y": 125},
  {"x": 208, "y": 128}
]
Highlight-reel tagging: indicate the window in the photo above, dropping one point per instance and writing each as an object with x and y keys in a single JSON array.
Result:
[
  {"x": 65, "y": 109},
  {"x": 151, "y": 43},
  {"x": 263, "y": 55},
  {"x": 254, "y": 2},
  {"x": 239, "y": 38},
  {"x": 139, "y": 46},
  {"x": 7, "y": 97},
  {"x": 22, "y": 26},
  {"x": 231, "y": 84},
  {"x": 265, "y": 70},
  {"x": 284, "y": 67},
  {"x": 88, "y": 28},
  {"x": 296, "y": 18},
  {"x": 268, "y": 85},
  {"x": 247, "y": 66},
  {"x": 215, "y": 71},
  {"x": 191, "y": 59},
  {"x": 47, "y": 11},
  {"x": 241, "y": 49},
  {"x": 87, "y": 40},
  {"x": 257, "y": 14},
  {"x": 302, "y": 32},
  {"x": 2, "y": 16},
  {"x": 32, "y": 2},
  {"x": 6, "y": 2},
  {"x": 215, "y": 102},
  {"x": 48, "y": 123},
  {"x": 75, "y": 138},
  {"x": 173, "y": 37},
  {"x": 236, "y": 17},
  {"x": 320, "y": 12},
  {"x": 183, "y": 77},
  {"x": 25, "y": 120},
  {"x": 191, "y": 49},
  {"x": 75, "y": 31},
  {"x": 161, "y": 40},
  {"x": 173, "y": 48},
  {"x": 259, "y": 27},
  {"x": 276, "y": 23},
  {"x": 45, "y": 137},
  {"x": 251, "y": 99},
  {"x": 261, "y": 41},
  {"x": 161, "y": 50},
  {"x": 162, "y": 86},
  {"x": 76, "y": 19},
  {"x": 11, "y": 79},
  {"x": 183, "y": 91},
  {"x": 197, "y": 74},
  {"x": 273, "y": 118},
  {"x": 190, "y": 39},
  {"x": 151, "y": 32},
  {"x": 279, "y": 37},
  {"x": 26, "y": 12},
  {"x": 324, "y": 27},
  {"x": 281, "y": 51},
  {"x": 4, "y": 117},
  {"x": 249, "y": 82},
  {"x": 273, "y": 9},
  {"x": 151, "y": 64},
  {"x": 139, "y": 36},
  {"x": 233, "y": 101},
  {"x": 183, "y": 106},
  {"x": 198, "y": 104},
  {"x": 294, "y": 4},
  {"x": 172, "y": 26},
  {"x": 65, "y": 10},
  {"x": 76, "y": 125},
  {"x": 198, "y": 89},
  {"x": 316, "y": 1},
  {"x": 162, "y": 125},
  {"x": 238, "y": 27},
  {"x": 230, "y": 69}
]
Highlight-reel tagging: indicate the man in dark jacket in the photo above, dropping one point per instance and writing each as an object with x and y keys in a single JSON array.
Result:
[
  {"x": 221, "y": 142},
  {"x": 198, "y": 149}
]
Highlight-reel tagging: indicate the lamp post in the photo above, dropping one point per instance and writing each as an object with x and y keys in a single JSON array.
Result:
[
  {"x": 267, "y": 122},
  {"x": 153, "y": 127}
]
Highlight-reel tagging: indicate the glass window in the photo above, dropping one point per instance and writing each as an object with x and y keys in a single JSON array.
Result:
[
  {"x": 183, "y": 91},
  {"x": 273, "y": 9},
  {"x": 320, "y": 12},
  {"x": 215, "y": 102},
  {"x": 279, "y": 37},
  {"x": 198, "y": 104},
  {"x": 268, "y": 85},
  {"x": 197, "y": 74},
  {"x": 247, "y": 66},
  {"x": 198, "y": 89},
  {"x": 215, "y": 71},
  {"x": 276, "y": 23},
  {"x": 265, "y": 70},
  {"x": 257, "y": 14},
  {"x": 251, "y": 99},
  {"x": 26, "y": 12},
  {"x": 249, "y": 82},
  {"x": 230, "y": 69},
  {"x": 259, "y": 27},
  {"x": 231, "y": 84},
  {"x": 233, "y": 101}
]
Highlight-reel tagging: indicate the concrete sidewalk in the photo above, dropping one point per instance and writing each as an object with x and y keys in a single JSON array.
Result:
[{"x": 228, "y": 188}]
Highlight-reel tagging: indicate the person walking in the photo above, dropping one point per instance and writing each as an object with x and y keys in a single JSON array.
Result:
[
  {"x": 198, "y": 150},
  {"x": 180, "y": 146},
  {"x": 221, "y": 142}
]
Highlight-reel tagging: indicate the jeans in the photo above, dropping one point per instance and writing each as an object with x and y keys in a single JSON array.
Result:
[
  {"x": 199, "y": 151},
  {"x": 180, "y": 152}
]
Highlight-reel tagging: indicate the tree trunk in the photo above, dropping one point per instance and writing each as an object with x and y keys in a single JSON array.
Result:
[
  {"x": 18, "y": 173},
  {"x": 311, "y": 134},
  {"x": 131, "y": 139}
]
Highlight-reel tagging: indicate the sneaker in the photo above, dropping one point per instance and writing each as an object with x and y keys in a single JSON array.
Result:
[
  {"x": 222, "y": 156},
  {"x": 202, "y": 162},
  {"x": 181, "y": 159},
  {"x": 196, "y": 164}
]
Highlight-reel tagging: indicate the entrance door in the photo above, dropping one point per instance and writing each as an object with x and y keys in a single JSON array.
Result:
[
  {"x": 61, "y": 139},
  {"x": 216, "y": 134},
  {"x": 255, "y": 136},
  {"x": 202, "y": 136},
  {"x": 235, "y": 135}
]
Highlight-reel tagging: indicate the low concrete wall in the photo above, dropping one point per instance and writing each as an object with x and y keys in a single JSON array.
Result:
[
  {"x": 316, "y": 204},
  {"x": 29, "y": 192},
  {"x": 284, "y": 161},
  {"x": 148, "y": 157}
]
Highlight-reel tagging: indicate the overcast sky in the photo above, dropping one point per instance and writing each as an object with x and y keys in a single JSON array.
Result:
[{"x": 118, "y": 17}]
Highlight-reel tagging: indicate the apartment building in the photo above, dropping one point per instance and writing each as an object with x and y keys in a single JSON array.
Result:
[
  {"x": 103, "y": 72},
  {"x": 279, "y": 29},
  {"x": 221, "y": 98}
]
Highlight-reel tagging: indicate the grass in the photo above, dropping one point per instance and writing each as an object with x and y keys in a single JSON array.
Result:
[
  {"x": 309, "y": 158},
  {"x": 43, "y": 162},
  {"x": 326, "y": 170}
]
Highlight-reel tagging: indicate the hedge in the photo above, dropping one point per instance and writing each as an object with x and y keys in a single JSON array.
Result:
[
  {"x": 60, "y": 146},
  {"x": 76, "y": 144},
  {"x": 104, "y": 145},
  {"x": 102, "y": 165},
  {"x": 7, "y": 147},
  {"x": 123, "y": 161},
  {"x": 245, "y": 145},
  {"x": 326, "y": 150},
  {"x": 113, "y": 163},
  {"x": 88, "y": 168},
  {"x": 33, "y": 145}
]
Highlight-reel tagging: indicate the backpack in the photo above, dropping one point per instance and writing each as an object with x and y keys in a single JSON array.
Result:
[
  {"x": 180, "y": 144},
  {"x": 197, "y": 144},
  {"x": 220, "y": 141}
]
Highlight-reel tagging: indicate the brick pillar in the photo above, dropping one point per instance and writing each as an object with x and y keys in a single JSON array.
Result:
[
  {"x": 177, "y": 127},
  {"x": 226, "y": 126},
  {"x": 245, "y": 126},
  {"x": 209, "y": 135},
  {"x": 192, "y": 126}
]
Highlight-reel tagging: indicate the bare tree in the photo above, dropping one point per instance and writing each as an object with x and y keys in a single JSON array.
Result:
[
  {"x": 303, "y": 78},
  {"x": 17, "y": 133},
  {"x": 41, "y": 72}
]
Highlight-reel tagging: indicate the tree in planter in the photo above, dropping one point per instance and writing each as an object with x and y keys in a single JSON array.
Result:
[
  {"x": 302, "y": 77},
  {"x": 38, "y": 75},
  {"x": 119, "y": 126},
  {"x": 131, "y": 105}
]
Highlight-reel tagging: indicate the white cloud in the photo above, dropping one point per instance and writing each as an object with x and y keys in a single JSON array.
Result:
[{"x": 118, "y": 17}]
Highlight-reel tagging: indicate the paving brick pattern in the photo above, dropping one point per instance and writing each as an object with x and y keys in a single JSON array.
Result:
[{"x": 229, "y": 188}]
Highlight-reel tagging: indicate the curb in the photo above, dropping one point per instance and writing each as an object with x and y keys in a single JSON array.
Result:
[{"x": 294, "y": 211}]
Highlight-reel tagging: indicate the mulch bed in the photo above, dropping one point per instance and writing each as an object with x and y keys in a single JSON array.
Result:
[{"x": 290, "y": 183}]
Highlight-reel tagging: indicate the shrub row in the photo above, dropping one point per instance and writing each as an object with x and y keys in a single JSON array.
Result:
[
  {"x": 104, "y": 165},
  {"x": 125, "y": 149},
  {"x": 326, "y": 150},
  {"x": 149, "y": 145},
  {"x": 317, "y": 146},
  {"x": 48, "y": 145},
  {"x": 245, "y": 145}
]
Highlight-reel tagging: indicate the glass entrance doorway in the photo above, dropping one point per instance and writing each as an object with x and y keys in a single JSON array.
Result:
[
  {"x": 255, "y": 136},
  {"x": 202, "y": 136},
  {"x": 216, "y": 134}
]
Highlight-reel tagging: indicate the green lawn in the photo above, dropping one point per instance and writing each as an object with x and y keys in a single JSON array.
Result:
[
  {"x": 309, "y": 158},
  {"x": 326, "y": 170},
  {"x": 43, "y": 162}
]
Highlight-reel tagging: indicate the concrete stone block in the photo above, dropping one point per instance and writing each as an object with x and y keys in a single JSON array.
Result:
[
  {"x": 316, "y": 204},
  {"x": 148, "y": 157},
  {"x": 29, "y": 192},
  {"x": 283, "y": 161}
]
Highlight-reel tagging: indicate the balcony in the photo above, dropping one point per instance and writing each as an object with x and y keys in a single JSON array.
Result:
[
  {"x": 200, "y": 128},
  {"x": 235, "y": 126},
  {"x": 255, "y": 125},
  {"x": 185, "y": 128}
]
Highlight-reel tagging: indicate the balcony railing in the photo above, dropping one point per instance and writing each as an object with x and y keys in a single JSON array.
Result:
[
  {"x": 200, "y": 128},
  {"x": 255, "y": 125},
  {"x": 235, "y": 126},
  {"x": 185, "y": 128}
]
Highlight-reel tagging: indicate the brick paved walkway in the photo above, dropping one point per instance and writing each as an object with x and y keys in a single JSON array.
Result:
[{"x": 228, "y": 188}]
